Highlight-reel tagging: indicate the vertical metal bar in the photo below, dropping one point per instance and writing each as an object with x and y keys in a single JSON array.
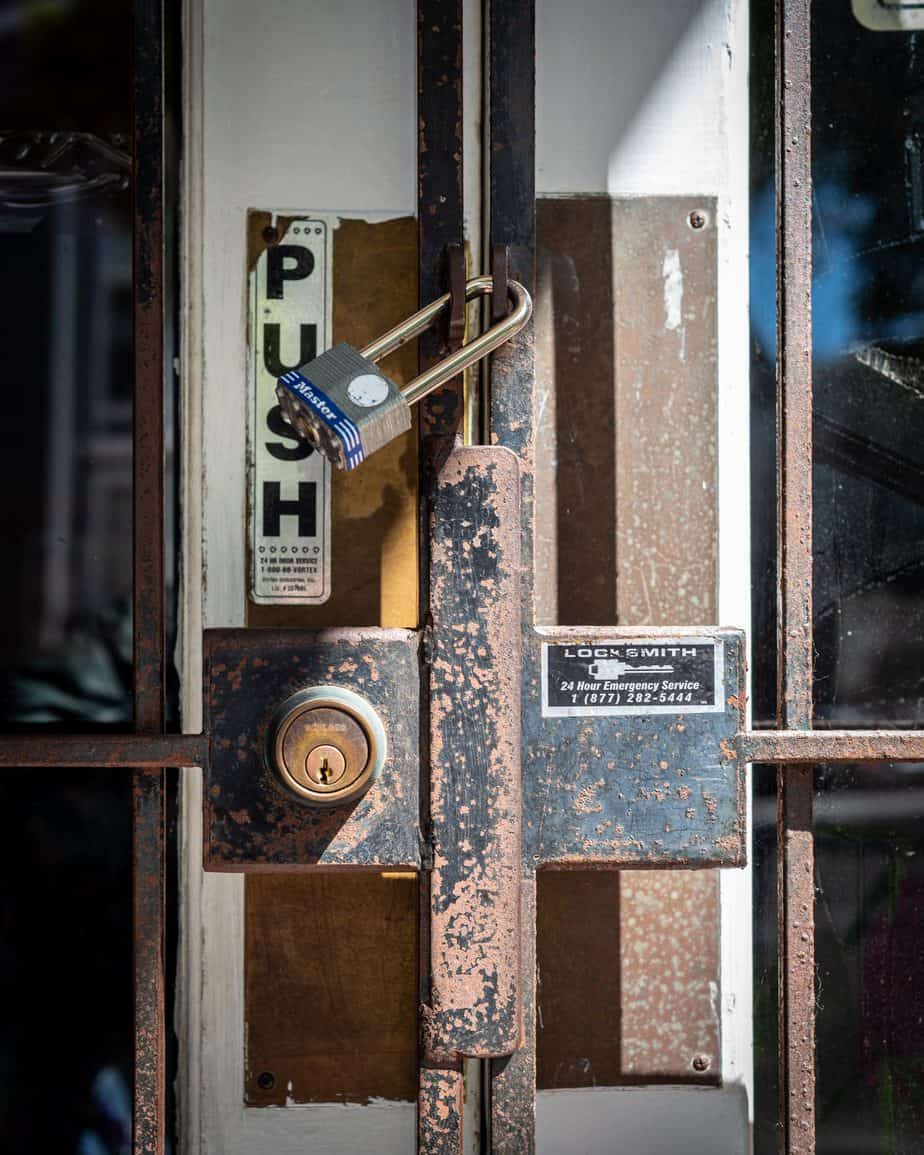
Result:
[
  {"x": 148, "y": 859},
  {"x": 512, "y": 212},
  {"x": 148, "y": 909},
  {"x": 439, "y": 225},
  {"x": 149, "y": 369},
  {"x": 795, "y": 873},
  {"x": 439, "y": 193}
]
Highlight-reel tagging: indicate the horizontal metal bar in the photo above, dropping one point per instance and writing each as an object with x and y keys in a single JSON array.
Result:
[
  {"x": 132, "y": 751},
  {"x": 831, "y": 746}
]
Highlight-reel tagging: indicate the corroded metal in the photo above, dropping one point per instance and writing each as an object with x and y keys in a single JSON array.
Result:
[
  {"x": 439, "y": 198},
  {"x": 795, "y": 874},
  {"x": 512, "y": 215},
  {"x": 512, "y": 1102},
  {"x": 638, "y": 790},
  {"x": 831, "y": 746},
  {"x": 148, "y": 886},
  {"x": 439, "y": 1111},
  {"x": 475, "y": 804},
  {"x": 251, "y": 821},
  {"x": 148, "y": 624},
  {"x": 131, "y": 751}
]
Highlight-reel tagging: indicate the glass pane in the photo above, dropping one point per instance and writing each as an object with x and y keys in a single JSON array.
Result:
[
  {"x": 868, "y": 301},
  {"x": 65, "y": 364},
  {"x": 65, "y": 963}
]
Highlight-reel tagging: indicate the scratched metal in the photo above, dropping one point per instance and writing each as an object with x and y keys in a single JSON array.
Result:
[
  {"x": 439, "y": 1111},
  {"x": 474, "y": 666},
  {"x": 513, "y": 1079},
  {"x": 512, "y": 213},
  {"x": 251, "y": 821},
  {"x": 795, "y": 878},
  {"x": 131, "y": 751},
  {"x": 647, "y": 790}
]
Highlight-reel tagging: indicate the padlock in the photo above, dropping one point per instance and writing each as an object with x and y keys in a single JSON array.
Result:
[{"x": 345, "y": 406}]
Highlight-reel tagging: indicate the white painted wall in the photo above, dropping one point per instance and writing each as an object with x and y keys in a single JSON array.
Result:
[{"x": 649, "y": 98}]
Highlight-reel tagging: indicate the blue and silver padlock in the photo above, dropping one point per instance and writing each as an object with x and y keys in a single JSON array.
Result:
[{"x": 345, "y": 406}]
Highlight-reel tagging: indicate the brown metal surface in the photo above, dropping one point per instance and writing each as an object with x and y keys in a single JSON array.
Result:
[
  {"x": 500, "y": 271},
  {"x": 439, "y": 196},
  {"x": 512, "y": 1084},
  {"x": 475, "y": 801},
  {"x": 439, "y": 1111},
  {"x": 512, "y": 214},
  {"x": 149, "y": 1129},
  {"x": 330, "y": 989},
  {"x": 252, "y": 822},
  {"x": 795, "y": 872},
  {"x": 147, "y": 751},
  {"x": 440, "y": 225},
  {"x": 148, "y": 909},
  {"x": 809, "y": 746}
]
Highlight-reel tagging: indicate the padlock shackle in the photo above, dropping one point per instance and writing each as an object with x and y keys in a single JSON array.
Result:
[{"x": 454, "y": 363}]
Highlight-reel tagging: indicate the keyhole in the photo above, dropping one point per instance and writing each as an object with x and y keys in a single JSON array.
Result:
[{"x": 324, "y": 770}]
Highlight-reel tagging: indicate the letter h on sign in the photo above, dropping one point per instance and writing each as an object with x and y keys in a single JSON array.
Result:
[{"x": 274, "y": 507}]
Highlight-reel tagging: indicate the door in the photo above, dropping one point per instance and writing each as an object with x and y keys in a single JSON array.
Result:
[{"x": 528, "y": 927}]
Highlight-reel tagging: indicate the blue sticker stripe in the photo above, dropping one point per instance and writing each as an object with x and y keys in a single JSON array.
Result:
[{"x": 329, "y": 412}]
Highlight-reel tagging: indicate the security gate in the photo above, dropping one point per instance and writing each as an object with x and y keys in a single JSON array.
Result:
[{"x": 489, "y": 747}]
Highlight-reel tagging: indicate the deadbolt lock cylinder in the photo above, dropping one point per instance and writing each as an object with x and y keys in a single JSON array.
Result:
[{"x": 326, "y": 745}]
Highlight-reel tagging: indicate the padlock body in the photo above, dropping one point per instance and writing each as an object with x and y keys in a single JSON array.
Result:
[{"x": 344, "y": 405}]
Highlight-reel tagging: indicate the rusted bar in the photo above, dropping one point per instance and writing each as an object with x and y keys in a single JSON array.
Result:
[
  {"x": 149, "y": 1119},
  {"x": 809, "y": 746},
  {"x": 795, "y": 872},
  {"x": 439, "y": 192},
  {"x": 512, "y": 215},
  {"x": 439, "y": 1110},
  {"x": 440, "y": 224},
  {"x": 512, "y": 1103},
  {"x": 134, "y": 752},
  {"x": 148, "y": 910},
  {"x": 147, "y": 277},
  {"x": 475, "y": 810}
]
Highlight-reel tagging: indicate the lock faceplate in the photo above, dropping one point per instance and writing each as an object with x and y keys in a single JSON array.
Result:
[
  {"x": 326, "y": 744},
  {"x": 256, "y": 819}
]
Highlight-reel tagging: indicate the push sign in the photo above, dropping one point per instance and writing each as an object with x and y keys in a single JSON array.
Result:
[{"x": 289, "y": 511}]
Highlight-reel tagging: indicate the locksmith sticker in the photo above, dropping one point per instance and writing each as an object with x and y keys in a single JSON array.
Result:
[
  {"x": 289, "y": 499},
  {"x": 636, "y": 676}
]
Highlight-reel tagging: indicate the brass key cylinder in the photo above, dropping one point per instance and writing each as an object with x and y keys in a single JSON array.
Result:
[{"x": 326, "y": 745}]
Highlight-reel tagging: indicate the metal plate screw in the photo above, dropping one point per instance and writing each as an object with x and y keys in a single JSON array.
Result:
[
  {"x": 700, "y": 1063},
  {"x": 266, "y": 1080},
  {"x": 697, "y": 219}
]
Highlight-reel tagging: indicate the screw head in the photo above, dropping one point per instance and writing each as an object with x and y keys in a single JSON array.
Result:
[
  {"x": 700, "y": 1063},
  {"x": 271, "y": 235},
  {"x": 325, "y": 765},
  {"x": 697, "y": 219},
  {"x": 266, "y": 1080}
]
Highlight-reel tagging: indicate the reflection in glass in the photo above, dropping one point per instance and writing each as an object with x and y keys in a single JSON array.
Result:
[{"x": 868, "y": 305}]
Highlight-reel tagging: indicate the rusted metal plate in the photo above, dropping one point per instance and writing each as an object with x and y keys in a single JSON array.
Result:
[
  {"x": 474, "y": 665},
  {"x": 640, "y": 790},
  {"x": 439, "y": 1111},
  {"x": 251, "y": 821},
  {"x": 513, "y": 1079}
]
